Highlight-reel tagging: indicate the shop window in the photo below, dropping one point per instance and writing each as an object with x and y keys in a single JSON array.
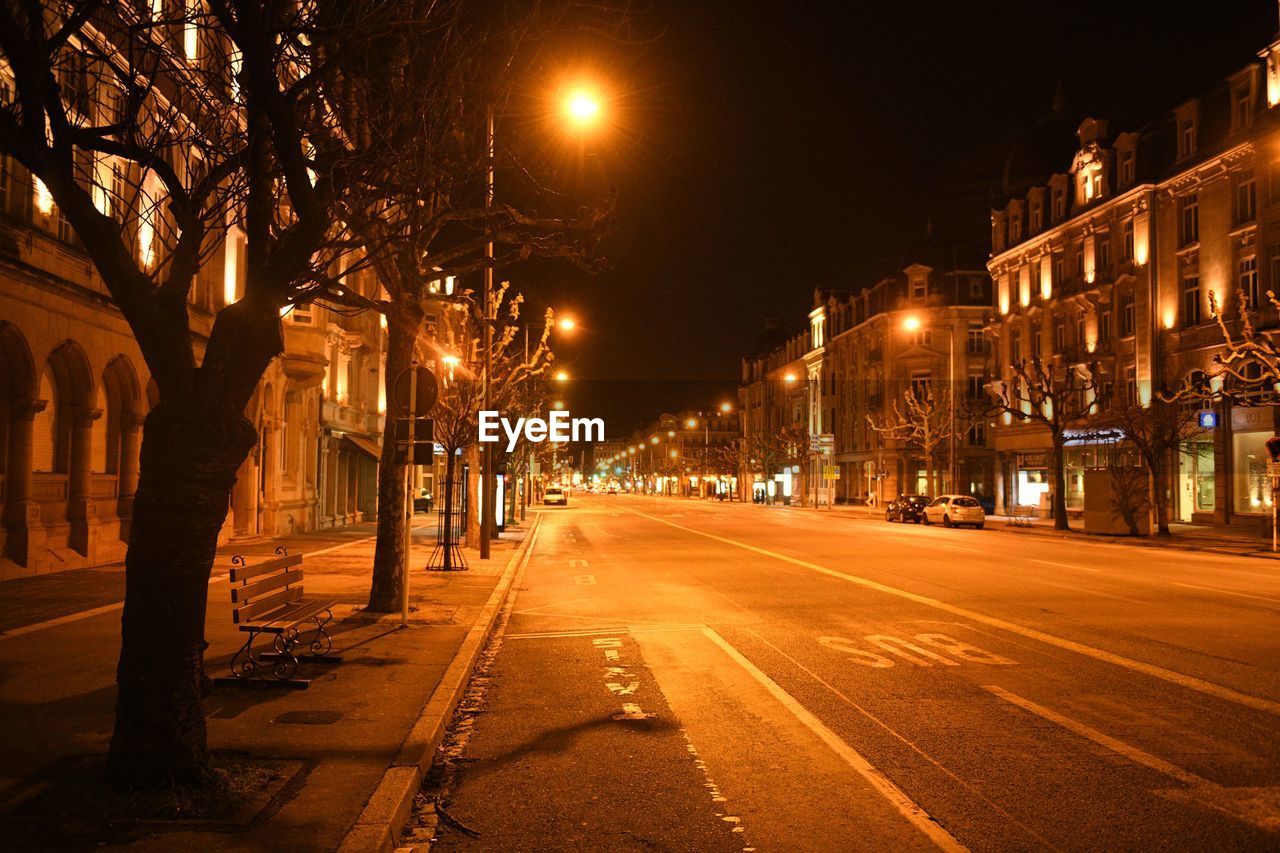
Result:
[{"x": 1250, "y": 481}]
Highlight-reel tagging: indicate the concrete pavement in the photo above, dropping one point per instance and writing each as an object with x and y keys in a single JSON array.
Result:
[
  {"x": 681, "y": 674},
  {"x": 58, "y": 646}
]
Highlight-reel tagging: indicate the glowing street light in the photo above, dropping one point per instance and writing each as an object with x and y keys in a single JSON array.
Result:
[
  {"x": 790, "y": 377},
  {"x": 583, "y": 107},
  {"x": 566, "y": 324},
  {"x": 562, "y": 376},
  {"x": 911, "y": 323},
  {"x": 726, "y": 407}
]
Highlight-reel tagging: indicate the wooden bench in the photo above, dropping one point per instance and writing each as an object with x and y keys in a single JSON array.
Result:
[
  {"x": 268, "y": 598},
  {"x": 1023, "y": 515}
]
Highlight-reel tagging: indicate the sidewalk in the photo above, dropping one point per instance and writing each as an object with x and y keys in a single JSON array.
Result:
[
  {"x": 1235, "y": 541},
  {"x": 331, "y": 743}
]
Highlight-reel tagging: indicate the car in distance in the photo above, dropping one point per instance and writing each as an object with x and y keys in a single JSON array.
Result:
[
  {"x": 953, "y": 510},
  {"x": 555, "y": 495},
  {"x": 613, "y": 489},
  {"x": 905, "y": 508}
]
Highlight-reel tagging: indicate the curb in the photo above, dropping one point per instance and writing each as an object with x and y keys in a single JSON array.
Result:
[{"x": 378, "y": 826}]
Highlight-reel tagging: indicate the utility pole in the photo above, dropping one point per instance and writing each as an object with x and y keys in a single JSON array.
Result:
[{"x": 486, "y": 344}]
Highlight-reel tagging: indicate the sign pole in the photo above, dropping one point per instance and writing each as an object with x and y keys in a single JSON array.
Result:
[{"x": 408, "y": 509}]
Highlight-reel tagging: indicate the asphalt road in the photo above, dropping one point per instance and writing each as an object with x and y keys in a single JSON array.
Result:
[{"x": 685, "y": 675}]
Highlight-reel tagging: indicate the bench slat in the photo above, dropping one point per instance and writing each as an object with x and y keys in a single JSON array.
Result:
[
  {"x": 290, "y": 615},
  {"x": 266, "y": 604},
  {"x": 244, "y": 573},
  {"x": 241, "y": 594}
]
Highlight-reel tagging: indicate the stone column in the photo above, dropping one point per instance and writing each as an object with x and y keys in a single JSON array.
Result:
[
  {"x": 80, "y": 509},
  {"x": 25, "y": 536},
  {"x": 270, "y": 499},
  {"x": 127, "y": 470}
]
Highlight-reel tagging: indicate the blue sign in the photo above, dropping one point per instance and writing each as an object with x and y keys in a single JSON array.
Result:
[{"x": 1208, "y": 420}]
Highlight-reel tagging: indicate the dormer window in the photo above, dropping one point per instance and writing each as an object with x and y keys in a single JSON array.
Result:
[
  {"x": 1186, "y": 137},
  {"x": 1059, "y": 204},
  {"x": 1126, "y": 168},
  {"x": 1037, "y": 217},
  {"x": 1015, "y": 227},
  {"x": 919, "y": 287},
  {"x": 1241, "y": 108}
]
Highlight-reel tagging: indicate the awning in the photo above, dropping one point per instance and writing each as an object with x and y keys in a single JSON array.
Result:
[{"x": 364, "y": 445}]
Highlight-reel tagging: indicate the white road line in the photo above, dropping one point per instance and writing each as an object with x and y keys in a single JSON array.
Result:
[
  {"x": 1062, "y": 565},
  {"x": 1187, "y": 681},
  {"x": 1117, "y": 746},
  {"x": 73, "y": 617},
  {"x": 1227, "y": 592},
  {"x": 906, "y": 806},
  {"x": 107, "y": 608}
]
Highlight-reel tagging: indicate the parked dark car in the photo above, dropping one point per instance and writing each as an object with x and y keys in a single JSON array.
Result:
[
  {"x": 423, "y": 502},
  {"x": 905, "y": 508}
]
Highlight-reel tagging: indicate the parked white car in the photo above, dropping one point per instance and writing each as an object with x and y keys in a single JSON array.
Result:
[
  {"x": 951, "y": 510},
  {"x": 555, "y": 495}
]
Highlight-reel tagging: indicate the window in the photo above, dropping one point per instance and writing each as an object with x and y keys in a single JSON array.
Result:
[
  {"x": 1059, "y": 266},
  {"x": 920, "y": 382},
  {"x": 1191, "y": 298},
  {"x": 1186, "y": 138},
  {"x": 1127, "y": 315},
  {"x": 977, "y": 338},
  {"x": 1190, "y": 219},
  {"x": 1104, "y": 324},
  {"x": 1104, "y": 252},
  {"x": 977, "y": 386},
  {"x": 1015, "y": 227},
  {"x": 1059, "y": 336},
  {"x": 1059, "y": 203},
  {"x": 1131, "y": 386},
  {"x": 1015, "y": 348},
  {"x": 1080, "y": 335},
  {"x": 921, "y": 338},
  {"x": 1126, "y": 168},
  {"x": 1037, "y": 216},
  {"x": 1037, "y": 341},
  {"x": 919, "y": 287},
  {"x": 1248, "y": 279},
  {"x": 978, "y": 434},
  {"x": 1242, "y": 109},
  {"x": 1246, "y": 201},
  {"x": 1079, "y": 249},
  {"x": 301, "y": 313},
  {"x": 1128, "y": 239}
]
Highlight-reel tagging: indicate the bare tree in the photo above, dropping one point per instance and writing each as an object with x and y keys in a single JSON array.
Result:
[
  {"x": 156, "y": 138},
  {"x": 514, "y": 374},
  {"x": 769, "y": 452},
  {"x": 1158, "y": 431},
  {"x": 923, "y": 422},
  {"x": 423, "y": 112},
  {"x": 1056, "y": 398}
]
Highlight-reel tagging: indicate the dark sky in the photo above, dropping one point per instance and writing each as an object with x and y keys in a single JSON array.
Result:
[{"x": 764, "y": 149}]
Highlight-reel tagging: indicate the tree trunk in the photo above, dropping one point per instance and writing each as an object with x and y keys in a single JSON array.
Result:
[
  {"x": 190, "y": 455},
  {"x": 1059, "y": 484},
  {"x": 1158, "y": 497},
  {"x": 404, "y": 322}
]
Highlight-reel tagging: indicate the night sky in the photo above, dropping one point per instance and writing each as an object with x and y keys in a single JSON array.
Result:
[{"x": 765, "y": 149}]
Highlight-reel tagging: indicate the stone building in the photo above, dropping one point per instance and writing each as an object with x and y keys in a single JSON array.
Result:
[
  {"x": 1110, "y": 247},
  {"x": 773, "y": 397},
  {"x": 74, "y": 389}
]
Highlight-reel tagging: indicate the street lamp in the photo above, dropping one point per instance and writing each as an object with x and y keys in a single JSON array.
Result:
[
  {"x": 581, "y": 108},
  {"x": 562, "y": 376},
  {"x": 912, "y": 323}
]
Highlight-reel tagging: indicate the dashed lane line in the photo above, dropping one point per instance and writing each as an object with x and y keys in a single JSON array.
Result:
[{"x": 1186, "y": 681}]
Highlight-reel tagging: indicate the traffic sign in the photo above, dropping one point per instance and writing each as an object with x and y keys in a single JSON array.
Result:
[
  {"x": 824, "y": 442},
  {"x": 428, "y": 392}
]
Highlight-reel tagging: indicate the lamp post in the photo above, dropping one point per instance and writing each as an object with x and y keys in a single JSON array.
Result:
[
  {"x": 912, "y": 323},
  {"x": 582, "y": 108}
]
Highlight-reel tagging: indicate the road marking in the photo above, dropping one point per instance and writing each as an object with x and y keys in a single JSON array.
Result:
[
  {"x": 577, "y": 564},
  {"x": 631, "y": 711},
  {"x": 1187, "y": 681},
  {"x": 584, "y": 580},
  {"x": 1227, "y": 592},
  {"x": 905, "y": 806},
  {"x": 1117, "y": 746},
  {"x": 1062, "y": 565}
]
